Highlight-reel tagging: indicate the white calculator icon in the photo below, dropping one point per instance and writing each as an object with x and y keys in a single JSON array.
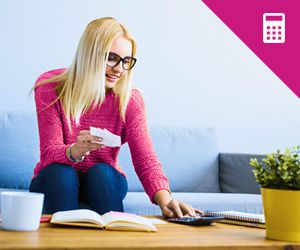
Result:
[{"x": 274, "y": 27}]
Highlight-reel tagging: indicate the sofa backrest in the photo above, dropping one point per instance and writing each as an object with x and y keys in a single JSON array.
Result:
[
  {"x": 19, "y": 149},
  {"x": 189, "y": 156}
]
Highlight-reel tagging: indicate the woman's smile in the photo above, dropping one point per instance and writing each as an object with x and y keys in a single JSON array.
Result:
[{"x": 111, "y": 77}]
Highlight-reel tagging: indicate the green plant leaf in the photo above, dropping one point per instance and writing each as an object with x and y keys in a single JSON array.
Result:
[{"x": 280, "y": 170}]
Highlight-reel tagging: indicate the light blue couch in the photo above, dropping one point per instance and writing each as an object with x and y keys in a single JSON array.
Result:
[{"x": 197, "y": 172}]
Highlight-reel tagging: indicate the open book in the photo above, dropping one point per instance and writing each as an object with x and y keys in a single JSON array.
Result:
[
  {"x": 239, "y": 218},
  {"x": 111, "y": 220}
]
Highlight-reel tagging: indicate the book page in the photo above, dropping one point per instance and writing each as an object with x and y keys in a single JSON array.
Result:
[
  {"x": 127, "y": 221},
  {"x": 157, "y": 221},
  {"x": 80, "y": 217}
]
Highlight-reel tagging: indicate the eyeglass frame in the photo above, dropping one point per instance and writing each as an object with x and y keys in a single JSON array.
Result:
[{"x": 121, "y": 59}]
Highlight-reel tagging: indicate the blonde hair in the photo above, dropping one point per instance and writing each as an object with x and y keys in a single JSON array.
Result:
[{"x": 83, "y": 83}]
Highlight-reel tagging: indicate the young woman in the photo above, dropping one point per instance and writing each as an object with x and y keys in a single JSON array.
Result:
[{"x": 96, "y": 91}]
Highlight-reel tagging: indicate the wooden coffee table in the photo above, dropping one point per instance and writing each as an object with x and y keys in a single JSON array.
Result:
[{"x": 169, "y": 236}]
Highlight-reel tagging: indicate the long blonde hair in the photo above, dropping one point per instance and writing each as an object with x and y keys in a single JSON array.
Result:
[{"x": 83, "y": 83}]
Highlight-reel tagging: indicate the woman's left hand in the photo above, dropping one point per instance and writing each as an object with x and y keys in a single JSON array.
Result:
[{"x": 175, "y": 208}]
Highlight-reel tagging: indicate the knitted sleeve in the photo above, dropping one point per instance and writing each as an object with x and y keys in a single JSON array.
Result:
[
  {"x": 52, "y": 147},
  {"x": 146, "y": 164}
]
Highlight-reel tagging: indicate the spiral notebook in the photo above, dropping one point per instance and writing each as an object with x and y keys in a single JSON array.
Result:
[{"x": 239, "y": 218}]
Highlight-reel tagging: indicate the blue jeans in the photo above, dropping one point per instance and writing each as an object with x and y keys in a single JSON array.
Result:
[{"x": 102, "y": 187}]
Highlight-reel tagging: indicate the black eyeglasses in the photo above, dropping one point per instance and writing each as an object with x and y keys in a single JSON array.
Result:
[{"x": 127, "y": 62}]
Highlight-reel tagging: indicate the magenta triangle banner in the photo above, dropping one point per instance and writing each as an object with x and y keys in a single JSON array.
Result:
[{"x": 270, "y": 28}]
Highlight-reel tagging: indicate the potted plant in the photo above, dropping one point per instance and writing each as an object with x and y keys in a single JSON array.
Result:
[{"x": 279, "y": 177}]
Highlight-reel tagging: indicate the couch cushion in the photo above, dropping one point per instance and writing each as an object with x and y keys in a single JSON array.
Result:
[
  {"x": 236, "y": 174},
  {"x": 19, "y": 149},
  {"x": 189, "y": 157},
  {"x": 138, "y": 202}
]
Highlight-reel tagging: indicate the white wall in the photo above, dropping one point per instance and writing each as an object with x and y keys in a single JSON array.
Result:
[{"x": 191, "y": 68}]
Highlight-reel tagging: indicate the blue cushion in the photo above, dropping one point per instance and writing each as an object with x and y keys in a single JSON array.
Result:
[
  {"x": 189, "y": 157},
  {"x": 19, "y": 149},
  {"x": 236, "y": 174},
  {"x": 139, "y": 203}
]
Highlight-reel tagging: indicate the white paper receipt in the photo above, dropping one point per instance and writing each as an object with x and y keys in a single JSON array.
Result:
[{"x": 109, "y": 139}]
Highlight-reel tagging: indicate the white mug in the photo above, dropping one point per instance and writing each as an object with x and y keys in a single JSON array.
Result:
[{"x": 21, "y": 211}]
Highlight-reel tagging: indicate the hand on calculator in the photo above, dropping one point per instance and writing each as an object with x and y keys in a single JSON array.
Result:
[
  {"x": 197, "y": 220},
  {"x": 177, "y": 208}
]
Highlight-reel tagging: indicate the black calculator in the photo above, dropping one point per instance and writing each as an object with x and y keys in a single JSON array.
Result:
[{"x": 196, "y": 221}]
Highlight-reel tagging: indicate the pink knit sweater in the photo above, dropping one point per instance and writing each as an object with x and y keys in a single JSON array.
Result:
[{"x": 55, "y": 135}]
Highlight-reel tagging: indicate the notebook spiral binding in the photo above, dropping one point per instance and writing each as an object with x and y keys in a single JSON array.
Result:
[{"x": 240, "y": 216}]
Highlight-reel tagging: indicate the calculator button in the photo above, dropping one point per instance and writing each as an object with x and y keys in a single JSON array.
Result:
[
  {"x": 268, "y": 33},
  {"x": 279, "y": 32},
  {"x": 279, "y": 38},
  {"x": 273, "y": 32},
  {"x": 268, "y": 37},
  {"x": 268, "y": 27},
  {"x": 279, "y": 27},
  {"x": 274, "y": 27},
  {"x": 273, "y": 37}
]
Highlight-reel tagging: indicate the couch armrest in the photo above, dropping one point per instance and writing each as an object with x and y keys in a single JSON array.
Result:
[{"x": 235, "y": 173}]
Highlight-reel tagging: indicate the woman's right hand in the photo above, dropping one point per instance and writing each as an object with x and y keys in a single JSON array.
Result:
[{"x": 85, "y": 143}]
